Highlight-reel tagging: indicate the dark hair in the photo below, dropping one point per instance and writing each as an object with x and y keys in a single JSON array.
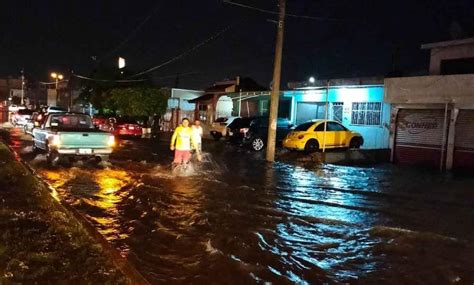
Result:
[{"x": 185, "y": 119}]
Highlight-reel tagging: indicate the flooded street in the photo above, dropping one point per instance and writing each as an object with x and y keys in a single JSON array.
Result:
[{"x": 236, "y": 219}]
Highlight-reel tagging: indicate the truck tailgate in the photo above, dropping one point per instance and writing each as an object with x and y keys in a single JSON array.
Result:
[{"x": 84, "y": 139}]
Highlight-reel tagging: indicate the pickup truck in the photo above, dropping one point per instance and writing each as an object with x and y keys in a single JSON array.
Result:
[{"x": 71, "y": 135}]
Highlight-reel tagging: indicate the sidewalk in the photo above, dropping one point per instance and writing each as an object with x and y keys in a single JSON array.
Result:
[{"x": 40, "y": 242}]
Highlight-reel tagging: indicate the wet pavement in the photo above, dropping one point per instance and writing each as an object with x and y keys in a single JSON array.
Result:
[{"x": 236, "y": 219}]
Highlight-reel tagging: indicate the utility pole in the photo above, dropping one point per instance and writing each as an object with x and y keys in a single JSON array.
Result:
[
  {"x": 275, "y": 95},
  {"x": 22, "y": 87}
]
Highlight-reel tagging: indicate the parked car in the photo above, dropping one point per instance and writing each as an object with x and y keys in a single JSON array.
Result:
[
  {"x": 310, "y": 136},
  {"x": 71, "y": 135},
  {"x": 219, "y": 127},
  {"x": 253, "y": 131},
  {"x": 14, "y": 108},
  {"x": 36, "y": 120},
  {"x": 233, "y": 133},
  {"x": 99, "y": 120},
  {"x": 21, "y": 117},
  {"x": 123, "y": 126}
]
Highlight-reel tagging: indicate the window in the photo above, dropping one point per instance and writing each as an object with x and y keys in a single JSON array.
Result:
[
  {"x": 337, "y": 111},
  {"x": 366, "y": 113},
  {"x": 335, "y": 127},
  {"x": 320, "y": 128},
  {"x": 304, "y": 127}
]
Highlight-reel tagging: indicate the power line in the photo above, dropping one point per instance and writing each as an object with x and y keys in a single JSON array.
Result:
[
  {"x": 51, "y": 83},
  {"x": 132, "y": 33},
  {"x": 185, "y": 53},
  {"x": 107, "y": 80},
  {"x": 276, "y": 13}
]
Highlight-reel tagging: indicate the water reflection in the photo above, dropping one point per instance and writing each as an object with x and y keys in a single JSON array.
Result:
[{"x": 239, "y": 219}]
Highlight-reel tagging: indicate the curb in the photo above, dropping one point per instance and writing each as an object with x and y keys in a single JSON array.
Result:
[{"x": 127, "y": 269}]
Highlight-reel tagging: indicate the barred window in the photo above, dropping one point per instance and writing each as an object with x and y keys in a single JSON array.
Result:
[{"x": 366, "y": 113}]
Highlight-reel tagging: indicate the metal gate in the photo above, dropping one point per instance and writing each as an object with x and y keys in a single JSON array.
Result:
[
  {"x": 464, "y": 140},
  {"x": 419, "y": 137}
]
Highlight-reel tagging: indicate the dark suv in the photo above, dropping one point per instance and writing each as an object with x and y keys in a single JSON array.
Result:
[{"x": 253, "y": 131}]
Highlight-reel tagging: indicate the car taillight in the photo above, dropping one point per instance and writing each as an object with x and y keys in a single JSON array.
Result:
[
  {"x": 111, "y": 141},
  {"x": 244, "y": 130},
  {"x": 300, "y": 137},
  {"x": 56, "y": 141}
]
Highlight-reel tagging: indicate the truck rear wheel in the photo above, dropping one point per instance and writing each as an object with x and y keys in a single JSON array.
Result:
[{"x": 53, "y": 158}]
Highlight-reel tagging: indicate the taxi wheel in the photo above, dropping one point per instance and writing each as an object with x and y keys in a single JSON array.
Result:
[
  {"x": 311, "y": 146},
  {"x": 355, "y": 143}
]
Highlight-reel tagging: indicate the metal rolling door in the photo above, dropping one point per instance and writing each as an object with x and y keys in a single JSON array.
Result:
[
  {"x": 464, "y": 140},
  {"x": 419, "y": 136}
]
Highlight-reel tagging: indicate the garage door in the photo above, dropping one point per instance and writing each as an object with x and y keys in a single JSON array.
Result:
[
  {"x": 306, "y": 111},
  {"x": 464, "y": 140},
  {"x": 419, "y": 137}
]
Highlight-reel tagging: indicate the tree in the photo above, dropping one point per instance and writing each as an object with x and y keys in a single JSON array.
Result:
[{"x": 137, "y": 101}]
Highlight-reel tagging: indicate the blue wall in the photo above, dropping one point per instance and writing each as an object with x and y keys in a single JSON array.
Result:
[{"x": 375, "y": 137}]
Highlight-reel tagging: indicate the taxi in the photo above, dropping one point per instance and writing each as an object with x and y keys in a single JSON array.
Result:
[{"x": 311, "y": 136}]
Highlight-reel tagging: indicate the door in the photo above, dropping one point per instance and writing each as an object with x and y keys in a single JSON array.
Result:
[
  {"x": 306, "y": 111},
  {"x": 327, "y": 138},
  {"x": 421, "y": 136},
  {"x": 464, "y": 140},
  {"x": 339, "y": 132}
]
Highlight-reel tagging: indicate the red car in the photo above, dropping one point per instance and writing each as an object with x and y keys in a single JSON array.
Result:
[
  {"x": 98, "y": 121},
  {"x": 123, "y": 126}
]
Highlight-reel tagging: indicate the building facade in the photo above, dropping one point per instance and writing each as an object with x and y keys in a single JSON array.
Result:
[
  {"x": 357, "y": 104},
  {"x": 432, "y": 119}
]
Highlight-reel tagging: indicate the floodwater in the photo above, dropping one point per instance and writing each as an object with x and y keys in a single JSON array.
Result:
[{"x": 234, "y": 219}]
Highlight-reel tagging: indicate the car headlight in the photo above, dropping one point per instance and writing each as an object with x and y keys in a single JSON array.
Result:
[{"x": 111, "y": 141}]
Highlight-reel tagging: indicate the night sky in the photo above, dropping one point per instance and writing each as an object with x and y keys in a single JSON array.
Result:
[{"x": 359, "y": 38}]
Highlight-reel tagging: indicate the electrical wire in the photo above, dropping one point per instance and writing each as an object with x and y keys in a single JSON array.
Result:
[
  {"x": 276, "y": 13},
  {"x": 185, "y": 53},
  {"x": 132, "y": 33},
  {"x": 51, "y": 83},
  {"x": 107, "y": 80}
]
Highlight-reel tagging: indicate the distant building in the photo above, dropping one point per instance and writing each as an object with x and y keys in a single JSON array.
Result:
[
  {"x": 357, "y": 103},
  {"x": 10, "y": 87},
  {"x": 179, "y": 107},
  {"x": 432, "y": 120},
  {"x": 217, "y": 102}
]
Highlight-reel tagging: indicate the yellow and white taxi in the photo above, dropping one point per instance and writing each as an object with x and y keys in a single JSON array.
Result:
[{"x": 311, "y": 136}]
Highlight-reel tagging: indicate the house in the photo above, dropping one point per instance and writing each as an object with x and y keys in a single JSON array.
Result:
[
  {"x": 10, "y": 87},
  {"x": 179, "y": 107},
  {"x": 356, "y": 103},
  {"x": 215, "y": 101},
  {"x": 432, "y": 118}
]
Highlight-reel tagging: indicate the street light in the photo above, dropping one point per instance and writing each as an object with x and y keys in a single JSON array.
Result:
[
  {"x": 57, "y": 77},
  {"x": 312, "y": 80}
]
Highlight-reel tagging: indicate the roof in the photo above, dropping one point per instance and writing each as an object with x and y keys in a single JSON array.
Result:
[
  {"x": 448, "y": 43},
  {"x": 339, "y": 82},
  {"x": 204, "y": 97}
]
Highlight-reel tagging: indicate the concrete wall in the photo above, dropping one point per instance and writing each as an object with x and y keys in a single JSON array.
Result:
[
  {"x": 375, "y": 137},
  {"x": 438, "y": 89},
  {"x": 451, "y": 52}
]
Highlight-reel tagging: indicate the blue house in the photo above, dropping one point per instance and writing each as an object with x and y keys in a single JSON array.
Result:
[{"x": 356, "y": 103}]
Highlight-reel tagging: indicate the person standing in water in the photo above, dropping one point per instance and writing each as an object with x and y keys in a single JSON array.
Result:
[
  {"x": 197, "y": 138},
  {"x": 181, "y": 142}
]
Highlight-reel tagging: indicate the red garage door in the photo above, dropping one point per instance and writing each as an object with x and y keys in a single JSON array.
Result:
[
  {"x": 464, "y": 140},
  {"x": 419, "y": 137}
]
